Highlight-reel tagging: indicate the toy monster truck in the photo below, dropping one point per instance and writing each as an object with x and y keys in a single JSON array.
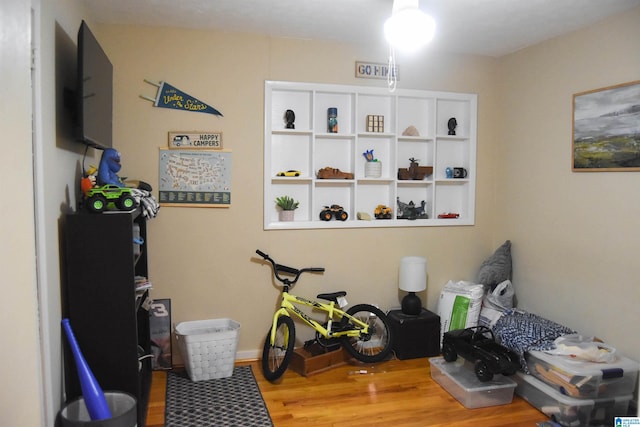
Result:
[
  {"x": 335, "y": 211},
  {"x": 382, "y": 212},
  {"x": 478, "y": 345},
  {"x": 110, "y": 197}
]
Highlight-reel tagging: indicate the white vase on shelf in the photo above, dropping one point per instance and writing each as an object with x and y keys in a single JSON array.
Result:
[
  {"x": 373, "y": 169},
  {"x": 286, "y": 215}
]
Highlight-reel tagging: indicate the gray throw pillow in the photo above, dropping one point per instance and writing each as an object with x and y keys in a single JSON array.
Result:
[{"x": 497, "y": 268}]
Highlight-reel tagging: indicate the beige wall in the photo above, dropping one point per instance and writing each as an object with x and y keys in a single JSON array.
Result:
[
  {"x": 569, "y": 252},
  {"x": 20, "y": 371},
  {"x": 202, "y": 258},
  {"x": 575, "y": 235},
  {"x": 38, "y": 184}
]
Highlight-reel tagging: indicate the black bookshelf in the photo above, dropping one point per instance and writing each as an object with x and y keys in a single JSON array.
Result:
[{"x": 109, "y": 318}]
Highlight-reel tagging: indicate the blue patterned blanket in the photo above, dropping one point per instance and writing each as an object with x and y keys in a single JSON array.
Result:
[{"x": 521, "y": 331}]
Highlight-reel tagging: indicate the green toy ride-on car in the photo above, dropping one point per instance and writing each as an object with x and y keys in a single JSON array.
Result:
[{"x": 110, "y": 197}]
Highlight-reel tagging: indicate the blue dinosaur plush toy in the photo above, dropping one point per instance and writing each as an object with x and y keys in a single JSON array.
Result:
[{"x": 109, "y": 167}]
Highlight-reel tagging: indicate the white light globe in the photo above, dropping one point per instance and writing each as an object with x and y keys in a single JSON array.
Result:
[{"x": 409, "y": 29}]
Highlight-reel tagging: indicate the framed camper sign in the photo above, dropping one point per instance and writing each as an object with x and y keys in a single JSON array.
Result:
[{"x": 195, "y": 140}]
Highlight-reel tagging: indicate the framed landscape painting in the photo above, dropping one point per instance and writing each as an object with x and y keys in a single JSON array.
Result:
[{"x": 606, "y": 129}]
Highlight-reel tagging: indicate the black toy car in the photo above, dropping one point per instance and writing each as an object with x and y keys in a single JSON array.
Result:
[
  {"x": 478, "y": 345},
  {"x": 333, "y": 211}
]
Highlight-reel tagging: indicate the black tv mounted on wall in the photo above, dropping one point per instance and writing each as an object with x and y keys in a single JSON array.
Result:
[{"x": 94, "y": 92}]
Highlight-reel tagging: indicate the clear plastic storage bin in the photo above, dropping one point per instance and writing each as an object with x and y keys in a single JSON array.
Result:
[
  {"x": 459, "y": 379},
  {"x": 208, "y": 347},
  {"x": 583, "y": 379},
  {"x": 568, "y": 411}
]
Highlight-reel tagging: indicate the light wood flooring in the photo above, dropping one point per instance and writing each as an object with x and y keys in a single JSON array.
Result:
[{"x": 393, "y": 393}]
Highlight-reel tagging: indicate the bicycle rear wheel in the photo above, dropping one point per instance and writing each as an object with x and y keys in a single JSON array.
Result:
[
  {"x": 374, "y": 346},
  {"x": 276, "y": 357}
]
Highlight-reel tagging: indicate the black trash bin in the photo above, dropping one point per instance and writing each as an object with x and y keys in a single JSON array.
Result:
[{"x": 123, "y": 408}]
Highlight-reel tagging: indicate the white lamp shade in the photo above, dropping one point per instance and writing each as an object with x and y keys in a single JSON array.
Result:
[
  {"x": 413, "y": 274},
  {"x": 408, "y": 28}
]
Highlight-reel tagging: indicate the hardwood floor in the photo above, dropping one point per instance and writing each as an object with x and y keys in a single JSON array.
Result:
[{"x": 393, "y": 393}]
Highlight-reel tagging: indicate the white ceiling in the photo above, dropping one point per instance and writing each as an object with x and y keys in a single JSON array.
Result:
[{"x": 483, "y": 27}]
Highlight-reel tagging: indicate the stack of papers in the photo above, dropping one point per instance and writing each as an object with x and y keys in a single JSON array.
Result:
[{"x": 142, "y": 283}]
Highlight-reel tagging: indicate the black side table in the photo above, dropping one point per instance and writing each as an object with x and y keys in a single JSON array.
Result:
[{"x": 415, "y": 336}]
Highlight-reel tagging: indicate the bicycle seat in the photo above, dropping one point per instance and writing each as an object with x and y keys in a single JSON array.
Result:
[{"x": 332, "y": 296}]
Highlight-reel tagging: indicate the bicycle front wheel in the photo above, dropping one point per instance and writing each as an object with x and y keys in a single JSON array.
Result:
[
  {"x": 375, "y": 345},
  {"x": 276, "y": 357}
]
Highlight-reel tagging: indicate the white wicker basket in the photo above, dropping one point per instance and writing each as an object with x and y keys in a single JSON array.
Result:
[{"x": 208, "y": 347}]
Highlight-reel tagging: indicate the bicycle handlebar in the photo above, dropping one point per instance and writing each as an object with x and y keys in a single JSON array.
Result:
[{"x": 279, "y": 268}]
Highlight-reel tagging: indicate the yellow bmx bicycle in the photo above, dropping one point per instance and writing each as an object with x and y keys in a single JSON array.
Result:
[{"x": 363, "y": 330}]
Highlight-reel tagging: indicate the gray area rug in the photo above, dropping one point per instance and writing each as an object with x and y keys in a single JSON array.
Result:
[{"x": 224, "y": 402}]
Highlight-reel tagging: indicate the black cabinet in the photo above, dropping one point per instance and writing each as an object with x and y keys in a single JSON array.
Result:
[
  {"x": 415, "y": 336},
  {"x": 109, "y": 318}
]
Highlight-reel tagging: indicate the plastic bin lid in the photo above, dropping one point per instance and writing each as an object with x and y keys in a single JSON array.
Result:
[
  {"x": 586, "y": 368},
  {"x": 466, "y": 377}
]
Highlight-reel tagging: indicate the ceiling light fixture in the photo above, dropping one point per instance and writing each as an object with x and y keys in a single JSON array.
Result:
[{"x": 408, "y": 28}]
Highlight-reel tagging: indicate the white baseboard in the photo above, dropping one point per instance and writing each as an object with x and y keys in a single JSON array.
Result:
[{"x": 248, "y": 355}]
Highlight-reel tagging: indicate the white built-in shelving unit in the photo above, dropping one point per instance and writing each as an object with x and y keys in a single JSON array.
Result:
[{"x": 310, "y": 147}]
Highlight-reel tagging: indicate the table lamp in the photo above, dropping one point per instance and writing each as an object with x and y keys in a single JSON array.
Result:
[{"x": 412, "y": 279}]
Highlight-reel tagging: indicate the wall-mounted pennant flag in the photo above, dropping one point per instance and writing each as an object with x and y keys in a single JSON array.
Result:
[{"x": 170, "y": 97}]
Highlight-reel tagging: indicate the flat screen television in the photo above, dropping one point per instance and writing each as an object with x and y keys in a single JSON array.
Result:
[{"x": 94, "y": 92}]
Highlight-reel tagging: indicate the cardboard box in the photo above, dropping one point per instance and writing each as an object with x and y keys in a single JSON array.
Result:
[{"x": 305, "y": 363}]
